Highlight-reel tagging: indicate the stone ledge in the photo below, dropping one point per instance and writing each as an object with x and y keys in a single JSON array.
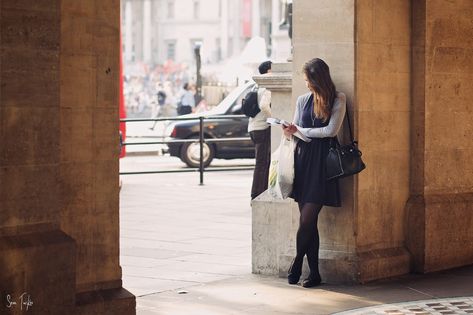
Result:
[
  {"x": 279, "y": 80},
  {"x": 114, "y": 302},
  {"x": 383, "y": 263},
  {"x": 439, "y": 228},
  {"x": 28, "y": 228},
  {"x": 42, "y": 266},
  {"x": 275, "y": 81},
  {"x": 98, "y": 286}
]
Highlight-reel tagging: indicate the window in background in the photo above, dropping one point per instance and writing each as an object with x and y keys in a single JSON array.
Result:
[
  {"x": 170, "y": 9},
  {"x": 230, "y": 46},
  {"x": 171, "y": 50},
  {"x": 196, "y": 9},
  {"x": 218, "y": 48}
]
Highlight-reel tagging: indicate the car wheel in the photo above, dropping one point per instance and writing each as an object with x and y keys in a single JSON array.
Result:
[{"x": 190, "y": 154}]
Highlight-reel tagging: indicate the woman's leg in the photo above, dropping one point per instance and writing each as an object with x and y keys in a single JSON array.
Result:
[
  {"x": 313, "y": 255},
  {"x": 310, "y": 241},
  {"x": 306, "y": 236}
]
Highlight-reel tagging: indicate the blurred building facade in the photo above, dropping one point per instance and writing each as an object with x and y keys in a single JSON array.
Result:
[
  {"x": 159, "y": 38},
  {"x": 155, "y": 31}
]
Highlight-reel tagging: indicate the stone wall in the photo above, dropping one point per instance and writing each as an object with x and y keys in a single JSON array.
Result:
[
  {"x": 59, "y": 229},
  {"x": 367, "y": 46},
  {"x": 89, "y": 138},
  {"x": 30, "y": 160},
  {"x": 406, "y": 68},
  {"x": 29, "y": 112},
  {"x": 325, "y": 29},
  {"x": 442, "y": 172},
  {"x": 383, "y": 111}
]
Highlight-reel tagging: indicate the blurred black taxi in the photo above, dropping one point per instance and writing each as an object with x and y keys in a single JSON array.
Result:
[{"x": 223, "y": 127}]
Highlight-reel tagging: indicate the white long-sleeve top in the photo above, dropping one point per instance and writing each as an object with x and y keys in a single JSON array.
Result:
[
  {"x": 259, "y": 121},
  {"x": 187, "y": 99},
  {"x": 336, "y": 119}
]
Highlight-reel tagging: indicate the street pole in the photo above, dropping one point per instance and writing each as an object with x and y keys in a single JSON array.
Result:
[{"x": 198, "y": 66}]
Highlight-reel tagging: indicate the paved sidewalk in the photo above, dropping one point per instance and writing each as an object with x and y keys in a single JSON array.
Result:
[
  {"x": 175, "y": 233},
  {"x": 186, "y": 249}
]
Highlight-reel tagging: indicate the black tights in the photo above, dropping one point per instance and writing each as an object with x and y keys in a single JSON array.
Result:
[{"x": 307, "y": 238}]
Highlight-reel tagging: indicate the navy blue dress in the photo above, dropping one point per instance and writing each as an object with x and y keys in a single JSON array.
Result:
[{"x": 309, "y": 165}]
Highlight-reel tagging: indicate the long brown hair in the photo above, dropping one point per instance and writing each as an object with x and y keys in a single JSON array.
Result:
[{"x": 320, "y": 82}]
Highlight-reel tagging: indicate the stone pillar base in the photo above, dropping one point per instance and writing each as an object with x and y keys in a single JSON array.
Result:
[
  {"x": 275, "y": 224},
  {"x": 383, "y": 263},
  {"x": 440, "y": 231},
  {"x": 273, "y": 236},
  {"x": 334, "y": 267},
  {"x": 38, "y": 266},
  {"x": 113, "y": 301},
  {"x": 343, "y": 267}
]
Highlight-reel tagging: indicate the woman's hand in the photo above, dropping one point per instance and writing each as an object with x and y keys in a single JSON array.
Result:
[{"x": 289, "y": 130}]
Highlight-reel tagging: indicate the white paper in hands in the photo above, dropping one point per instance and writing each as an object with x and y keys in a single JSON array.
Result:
[
  {"x": 276, "y": 121},
  {"x": 298, "y": 133}
]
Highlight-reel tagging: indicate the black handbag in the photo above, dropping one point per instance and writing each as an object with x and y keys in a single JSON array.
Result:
[{"x": 343, "y": 160}]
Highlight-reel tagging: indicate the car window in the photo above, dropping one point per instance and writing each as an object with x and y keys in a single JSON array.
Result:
[
  {"x": 235, "y": 96},
  {"x": 235, "y": 109}
]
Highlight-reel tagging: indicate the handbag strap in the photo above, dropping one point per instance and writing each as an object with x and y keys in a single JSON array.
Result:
[{"x": 349, "y": 126}]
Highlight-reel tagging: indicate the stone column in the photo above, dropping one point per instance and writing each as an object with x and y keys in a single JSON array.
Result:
[
  {"x": 36, "y": 257},
  {"x": 89, "y": 121},
  {"x": 274, "y": 222},
  {"x": 440, "y": 210},
  {"x": 382, "y": 114},
  {"x": 224, "y": 24},
  {"x": 59, "y": 229},
  {"x": 364, "y": 240},
  {"x": 128, "y": 31},
  {"x": 279, "y": 82},
  {"x": 255, "y": 18},
  {"x": 325, "y": 29},
  {"x": 147, "y": 30},
  {"x": 280, "y": 41},
  {"x": 409, "y": 89}
]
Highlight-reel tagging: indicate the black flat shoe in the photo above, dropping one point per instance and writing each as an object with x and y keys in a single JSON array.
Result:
[
  {"x": 293, "y": 278},
  {"x": 294, "y": 272},
  {"x": 311, "y": 281}
]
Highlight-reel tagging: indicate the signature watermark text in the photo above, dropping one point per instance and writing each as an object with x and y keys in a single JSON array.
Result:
[{"x": 24, "y": 301}]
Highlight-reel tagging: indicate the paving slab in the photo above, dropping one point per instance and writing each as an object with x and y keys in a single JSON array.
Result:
[
  {"x": 253, "y": 294},
  {"x": 186, "y": 249},
  {"x": 170, "y": 225}
]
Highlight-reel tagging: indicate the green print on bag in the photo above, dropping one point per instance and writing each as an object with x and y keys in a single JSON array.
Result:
[{"x": 273, "y": 173}]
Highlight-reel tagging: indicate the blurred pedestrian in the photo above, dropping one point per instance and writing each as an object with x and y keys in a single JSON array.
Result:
[
  {"x": 187, "y": 102},
  {"x": 161, "y": 100},
  {"x": 260, "y": 134}
]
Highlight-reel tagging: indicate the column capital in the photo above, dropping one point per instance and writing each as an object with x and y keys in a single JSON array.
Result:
[{"x": 279, "y": 79}]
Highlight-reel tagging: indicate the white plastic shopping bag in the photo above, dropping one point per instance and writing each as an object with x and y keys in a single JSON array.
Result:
[{"x": 281, "y": 170}]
